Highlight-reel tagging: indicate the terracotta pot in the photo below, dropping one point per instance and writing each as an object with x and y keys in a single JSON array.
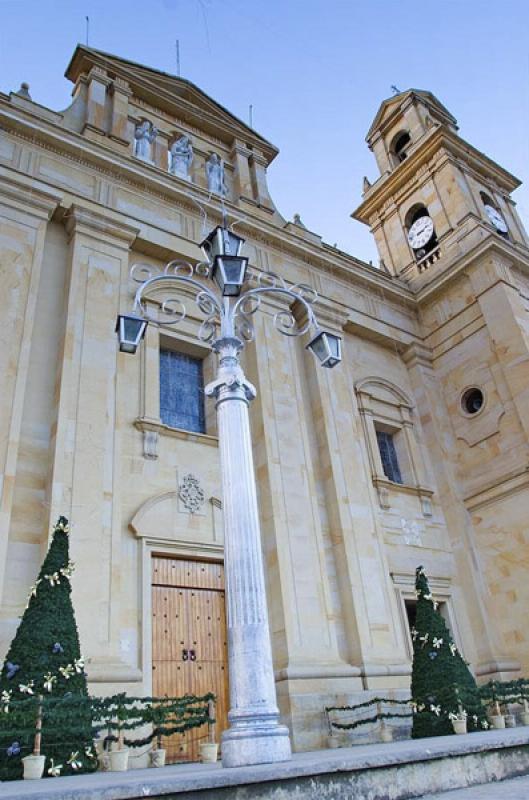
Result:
[
  {"x": 209, "y": 752},
  {"x": 459, "y": 725},
  {"x": 386, "y": 734},
  {"x": 510, "y": 721},
  {"x": 525, "y": 717},
  {"x": 158, "y": 757},
  {"x": 498, "y": 721},
  {"x": 119, "y": 760},
  {"x": 33, "y": 767}
]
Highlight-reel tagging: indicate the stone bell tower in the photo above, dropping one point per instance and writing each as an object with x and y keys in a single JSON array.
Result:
[
  {"x": 437, "y": 197},
  {"x": 444, "y": 222}
]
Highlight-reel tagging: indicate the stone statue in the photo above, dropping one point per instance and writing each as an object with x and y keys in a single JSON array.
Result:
[
  {"x": 215, "y": 175},
  {"x": 297, "y": 221},
  {"x": 144, "y": 136},
  {"x": 181, "y": 157}
]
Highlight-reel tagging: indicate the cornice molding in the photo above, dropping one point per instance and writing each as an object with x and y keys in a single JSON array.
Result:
[
  {"x": 28, "y": 198},
  {"x": 385, "y": 189},
  {"x": 85, "y": 221},
  {"x": 154, "y": 182}
]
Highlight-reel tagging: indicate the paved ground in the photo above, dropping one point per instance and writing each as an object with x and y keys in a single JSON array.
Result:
[{"x": 514, "y": 789}]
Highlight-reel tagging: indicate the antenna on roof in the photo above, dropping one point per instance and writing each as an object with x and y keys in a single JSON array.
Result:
[
  {"x": 250, "y": 115},
  {"x": 395, "y": 89},
  {"x": 178, "y": 57},
  {"x": 87, "y": 28}
]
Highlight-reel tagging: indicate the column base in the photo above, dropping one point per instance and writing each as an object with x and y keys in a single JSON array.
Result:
[{"x": 260, "y": 743}]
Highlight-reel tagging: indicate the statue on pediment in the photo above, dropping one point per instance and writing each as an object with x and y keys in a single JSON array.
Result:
[
  {"x": 181, "y": 152},
  {"x": 215, "y": 175},
  {"x": 144, "y": 137}
]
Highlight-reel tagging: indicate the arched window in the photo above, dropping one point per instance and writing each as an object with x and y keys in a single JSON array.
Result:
[
  {"x": 417, "y": 234},
  {"x": 495, "y": 217},
  {"x": 400, "y": 145}
]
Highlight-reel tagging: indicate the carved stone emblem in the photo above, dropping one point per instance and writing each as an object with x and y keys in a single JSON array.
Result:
[{"x": 191, "y": 493}]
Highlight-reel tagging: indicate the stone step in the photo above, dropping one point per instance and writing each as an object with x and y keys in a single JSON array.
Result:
[
  {"x": 514, "y": 789},
  {"x": 398, "y": 770}
]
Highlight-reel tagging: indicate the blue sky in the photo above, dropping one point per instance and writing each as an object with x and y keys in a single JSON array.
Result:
[{"x": 314, "y": 71}]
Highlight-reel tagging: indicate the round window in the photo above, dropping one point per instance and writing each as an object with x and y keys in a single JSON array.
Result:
[{"x": 472, "y": 401}]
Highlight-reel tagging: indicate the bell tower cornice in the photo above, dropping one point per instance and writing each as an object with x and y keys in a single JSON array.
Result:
[{"x": 438, "y": 146}]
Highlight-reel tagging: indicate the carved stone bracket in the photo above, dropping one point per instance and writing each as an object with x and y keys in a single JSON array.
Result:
[{"x": 150, "y": 445}]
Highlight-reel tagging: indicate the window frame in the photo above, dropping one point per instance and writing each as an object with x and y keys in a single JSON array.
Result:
[
  {"x": 441, "y": 588},
  {"x": 199, "y": 386},
  {"x": 384, "y": 406}
]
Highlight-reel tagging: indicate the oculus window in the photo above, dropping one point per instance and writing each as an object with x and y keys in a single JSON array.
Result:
[{"x": 182, "y": 391}]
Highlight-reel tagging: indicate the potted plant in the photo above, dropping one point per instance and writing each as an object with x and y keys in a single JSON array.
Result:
[
  {"x": 209, "y": 750},
  {"x": 119, "y": 758},
  {"x": 496, "y": 717},
  {"x": 459, "y": 720},
  {"x": 34, "y": 763},
  {"x": 156, "y": 713},
  {"x": 525, "y": 702}
]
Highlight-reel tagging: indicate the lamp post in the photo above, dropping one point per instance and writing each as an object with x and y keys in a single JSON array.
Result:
[{"x": 254, "y": 735}]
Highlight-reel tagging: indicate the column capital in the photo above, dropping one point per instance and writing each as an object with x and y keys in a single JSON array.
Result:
[
  {"x": 30, "y": 199},
  {"x": 79, "y": 220}
]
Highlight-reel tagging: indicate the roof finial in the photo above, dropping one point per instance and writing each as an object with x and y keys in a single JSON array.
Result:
[{"x": 395, "y": 89}]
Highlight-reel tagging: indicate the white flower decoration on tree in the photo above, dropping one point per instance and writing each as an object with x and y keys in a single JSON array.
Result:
[
  {"x": 49, "y": 680},
  {"x": 436, "y": 710},
  {"x": 453, "y": 648},
  {"x": 74, "y": 761},
  {"x": 414, "y": 633},
  {"x": 53, "y": 579},
  {"x": 437, "y": 643},
  {"x": 78, "y": 665},
  {"x": 34, "y": 588},
  {"x": 54, "y": 769},
  {"x": 67, "y": 671},
  {"x": 424, "y": 639},
  {"x": 5, "y": 699},
  {"x": 68, "y": 570},
  {"x": 26, "y": 688}
]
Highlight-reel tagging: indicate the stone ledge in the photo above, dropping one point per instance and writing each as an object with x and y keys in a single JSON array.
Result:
[{"x": 398, "y": 770}]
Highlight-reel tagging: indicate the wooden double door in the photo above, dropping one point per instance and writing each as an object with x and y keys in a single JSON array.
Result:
[{"x": 189, "y": 654}]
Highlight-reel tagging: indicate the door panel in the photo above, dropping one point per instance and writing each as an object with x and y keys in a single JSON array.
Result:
[{"x": 189, "y": 641}]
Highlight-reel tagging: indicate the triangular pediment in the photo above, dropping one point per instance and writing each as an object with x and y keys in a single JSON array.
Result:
[
  {"x": 170, "y": 93},
  {"x": 390, "y": 107}
]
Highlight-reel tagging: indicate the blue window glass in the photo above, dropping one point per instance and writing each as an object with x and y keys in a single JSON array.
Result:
[
  {"x": 388, "y": 455},
  {"x": 181, "y": 391}
]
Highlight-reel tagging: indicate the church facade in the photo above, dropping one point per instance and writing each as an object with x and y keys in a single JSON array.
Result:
[{"x": 414, "y": 450}]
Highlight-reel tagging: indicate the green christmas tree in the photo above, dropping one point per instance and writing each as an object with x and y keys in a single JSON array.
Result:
[
  {"x": 441, "y": 685},
  {"x": 44, "y": 661}
]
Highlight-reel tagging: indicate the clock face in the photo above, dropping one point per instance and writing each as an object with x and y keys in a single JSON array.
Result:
[
  {"x": 420, "y": 232},
  {"x": 496, "y": 219}
]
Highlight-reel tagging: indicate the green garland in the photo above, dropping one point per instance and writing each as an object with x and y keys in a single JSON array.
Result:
[
  {"x": 113, "y": 715},
  {"x": 367, "y": 720},
  {"x": 371, "y": 702},
  {"x": 351, "y": 725}
]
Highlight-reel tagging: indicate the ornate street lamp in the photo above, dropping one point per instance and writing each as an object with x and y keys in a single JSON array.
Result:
[
  {"x": 222, "y": 249},
  {"x": 254, "y": 735},
  {"x": 130, "y": 330},
  {"x": 327, "y": 347}
]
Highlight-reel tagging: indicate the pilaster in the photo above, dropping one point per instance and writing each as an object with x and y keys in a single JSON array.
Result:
[
  {"x": 86, "y": 474},
  {"x": 483, "y": 641},
  {"x": 508, "y": 324},
  {"x": 96, "y": 111},
  {"x": 24, "y": 215}
]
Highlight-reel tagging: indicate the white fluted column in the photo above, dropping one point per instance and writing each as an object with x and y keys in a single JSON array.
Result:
[{"x": 254, "y": 735}]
